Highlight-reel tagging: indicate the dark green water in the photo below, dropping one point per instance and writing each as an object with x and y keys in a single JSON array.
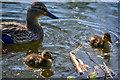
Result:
[{"x": 78, "y": 21}]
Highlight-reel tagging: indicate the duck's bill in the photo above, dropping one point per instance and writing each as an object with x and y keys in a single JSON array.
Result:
[
  {"x": 51, "y": 15},
  {"x": 51, "y": 58},
  {"x": 110, "y": 41}
]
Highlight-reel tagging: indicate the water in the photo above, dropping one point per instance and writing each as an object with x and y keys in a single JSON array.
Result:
[{"x": 78, "y": 21}]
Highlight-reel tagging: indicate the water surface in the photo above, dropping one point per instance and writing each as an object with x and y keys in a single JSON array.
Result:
[{"x": 78, "y": 21}]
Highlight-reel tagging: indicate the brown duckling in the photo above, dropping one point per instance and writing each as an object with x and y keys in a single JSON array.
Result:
[
  {"x": 39, "y": 61},
  {"x": 103, "y": 42}
]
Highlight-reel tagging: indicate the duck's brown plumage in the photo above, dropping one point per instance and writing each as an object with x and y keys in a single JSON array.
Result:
[
  {"x": 32, "y": 31},
  {"x": 19, "y": 33}
]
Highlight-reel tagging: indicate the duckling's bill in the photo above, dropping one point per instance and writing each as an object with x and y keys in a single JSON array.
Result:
[
  {"x": 51, "y": 58},
  {"x": 110, "y": 41},
  {"x": 51, "y": 15}
]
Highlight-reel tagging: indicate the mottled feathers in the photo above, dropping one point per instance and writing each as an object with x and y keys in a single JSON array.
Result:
[
  {"x": 36, "y": 61},
  {"x": 96, "y": 41},
  {"x": 17, "y": 32}
]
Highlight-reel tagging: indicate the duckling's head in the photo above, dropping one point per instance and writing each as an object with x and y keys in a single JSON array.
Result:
[
  {"x": 106, "y": 37},
  {"x": 46, "y": 55},
  {"x": 37, "y": 9}
]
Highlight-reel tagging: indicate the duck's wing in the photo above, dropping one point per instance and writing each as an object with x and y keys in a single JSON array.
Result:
[
  {"x": 11, "y": 27},
  {"x": 15, "y": 33}
]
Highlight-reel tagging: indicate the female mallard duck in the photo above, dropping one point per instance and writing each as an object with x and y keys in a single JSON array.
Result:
[
  {"x": 101, "y": 42},
  {"x": 39, "y": 61},
  {"x": 17, "y": 33}
]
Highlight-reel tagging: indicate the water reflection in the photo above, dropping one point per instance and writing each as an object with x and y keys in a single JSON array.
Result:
[
  {"x": 46, "y": 73},
  {"x": 33, "y": 46},
  {"x": 106, "y": 56},
  {"x": 43, "y": 72}
]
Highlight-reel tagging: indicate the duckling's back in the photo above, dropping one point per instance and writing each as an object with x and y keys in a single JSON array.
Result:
[
  {"x": 96, "y": 41},
  {"x": 33, "y": 60},
  {"x": 36, "y": 61}
]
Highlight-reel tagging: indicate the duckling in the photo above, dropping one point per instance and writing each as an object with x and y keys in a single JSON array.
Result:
[
  {"x": 103, "y": 42},
  {"x": 16, "y": 33},
  {"x": 39, "y": 61}
]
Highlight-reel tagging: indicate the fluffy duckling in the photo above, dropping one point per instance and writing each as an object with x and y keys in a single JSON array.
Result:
[
  {"x": 39, "y": 61},
  {"x": 103, "y": 42}
]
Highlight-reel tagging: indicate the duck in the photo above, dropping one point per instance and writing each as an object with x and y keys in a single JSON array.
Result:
[
  {"x": 102, "y": 43},
  {"x": 16, "y": 33},
  {"x": 34, "y": 60}
]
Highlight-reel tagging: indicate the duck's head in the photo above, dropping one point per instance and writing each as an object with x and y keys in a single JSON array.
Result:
[
  {"x": 46, "y": 55},
  {"x": 106, "y": 37},
  {"x": 37, "y": 9}
]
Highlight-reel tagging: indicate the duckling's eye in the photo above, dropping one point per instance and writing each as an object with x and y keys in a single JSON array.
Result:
[
  {"x": 47, "y": 52},
  {"x": 106, "y": 37},
  {"x": 46, "y": 55}
]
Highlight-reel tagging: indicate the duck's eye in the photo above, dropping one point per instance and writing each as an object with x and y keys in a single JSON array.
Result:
[{"x": 39, "y": 8}]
